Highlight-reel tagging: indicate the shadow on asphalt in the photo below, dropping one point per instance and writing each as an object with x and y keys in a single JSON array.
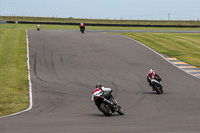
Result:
[{"x": 102, "y": 115}]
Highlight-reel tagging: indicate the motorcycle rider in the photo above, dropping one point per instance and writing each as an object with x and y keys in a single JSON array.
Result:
[
  {"x": 105, "y": 92},
  {"x": 101, "y": 90},
  {"x": 38, "y": 26},
  {"x": 153, "y": 75},
  {"x": 82, "y": 25}
]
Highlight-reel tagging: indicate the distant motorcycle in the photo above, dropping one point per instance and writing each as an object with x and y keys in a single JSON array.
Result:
[
  {"x": 82, "y": 27},
  {"x": 38, "y": 28},
  {"x": 155, "y": 81},
  {"x": 157, "y": 86},
  {"x": 107, "y": 106}
]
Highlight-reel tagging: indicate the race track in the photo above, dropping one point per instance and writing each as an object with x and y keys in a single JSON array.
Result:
[{"x": 65, "y": 67}]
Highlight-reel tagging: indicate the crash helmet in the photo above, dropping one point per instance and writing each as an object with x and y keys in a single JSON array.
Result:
[
  {"x": 81, "y": 24},
  {"x": 99, "y": 85}
]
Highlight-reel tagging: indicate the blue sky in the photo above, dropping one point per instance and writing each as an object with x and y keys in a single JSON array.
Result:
[{"x": 104, "y": 9}]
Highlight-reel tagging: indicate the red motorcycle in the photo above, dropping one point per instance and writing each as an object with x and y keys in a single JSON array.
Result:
[{"x": 82, "y": 27}]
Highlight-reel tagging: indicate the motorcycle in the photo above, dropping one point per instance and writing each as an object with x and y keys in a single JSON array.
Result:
[
  {"x": 38, "y": 28},
  {"x": 157, "y": 86},
  {"x": 82, "y": 29},
  {"x": 107, "y": 105}
]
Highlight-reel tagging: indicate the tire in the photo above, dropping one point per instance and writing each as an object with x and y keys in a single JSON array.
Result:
[
  {"x": 107, "y": 111},
  {"x": 161, "y": 90},
  {"x": 157, "y": 89},
  {"x": 121, "y": 111},
  {"x": 82, "y": 30}
]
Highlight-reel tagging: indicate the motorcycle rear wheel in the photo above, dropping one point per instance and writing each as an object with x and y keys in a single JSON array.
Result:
[{"x": 106, "y": 110}]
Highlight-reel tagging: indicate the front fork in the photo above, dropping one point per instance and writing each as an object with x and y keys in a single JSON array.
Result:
[{"x": 113, "y": 103}]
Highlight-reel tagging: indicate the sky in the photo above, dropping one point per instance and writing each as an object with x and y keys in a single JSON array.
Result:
[{"x": 104, "y": 9}]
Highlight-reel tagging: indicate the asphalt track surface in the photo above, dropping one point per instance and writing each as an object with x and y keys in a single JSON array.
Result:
[{"x": 65, "y": 67}]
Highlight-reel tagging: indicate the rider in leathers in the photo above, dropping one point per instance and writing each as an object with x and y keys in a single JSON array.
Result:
[
  {"x": 106, "y": 93},
  {"x": 100, "y": 89},
  {"x": 153, "y": 75},
  {"x": 82, "y": 25},
  {"x": 38, "y": 26}
]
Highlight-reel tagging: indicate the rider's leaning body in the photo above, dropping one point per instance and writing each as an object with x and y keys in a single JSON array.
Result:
[
  {"x": 99, "y": 90},
  {"x": 152, "y": 75}
]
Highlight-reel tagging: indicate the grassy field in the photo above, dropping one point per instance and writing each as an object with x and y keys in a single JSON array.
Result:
[
  {"x": 99, "y": 21},
  {"x": 13, "y": 67},
  {"x": 184, "y": 46}
]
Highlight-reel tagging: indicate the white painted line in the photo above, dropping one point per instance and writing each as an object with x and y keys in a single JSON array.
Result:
[
  {"x": 30, "y": 84},
  {"x": 160, "y": 55}
]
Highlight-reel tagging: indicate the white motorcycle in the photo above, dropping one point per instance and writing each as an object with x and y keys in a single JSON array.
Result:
[
  {"x": 38, "y": 28},
  {"x": 157, "y": 86}
]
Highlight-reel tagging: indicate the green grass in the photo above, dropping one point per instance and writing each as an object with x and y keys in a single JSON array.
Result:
[
  {"x": 183, "y": 46},
  {"x": 13, "y": 70},
  {"x": 13, "y": 67}
]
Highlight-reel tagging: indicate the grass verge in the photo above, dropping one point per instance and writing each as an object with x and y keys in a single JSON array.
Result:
[
  {"x": 13, "y": 70},
  {"x": 183, "y": 46}
]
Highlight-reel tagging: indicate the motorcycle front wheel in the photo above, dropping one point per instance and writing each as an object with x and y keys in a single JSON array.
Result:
[
  {"x": 105, "y": 109},
  {"x": 82, "y": 30},
  {"x": 120, "y": 111},
  {"x": 158, "y": 89}
]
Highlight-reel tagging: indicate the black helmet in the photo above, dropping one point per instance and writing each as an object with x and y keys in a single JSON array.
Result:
[{"x": 99, "y": 86}]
